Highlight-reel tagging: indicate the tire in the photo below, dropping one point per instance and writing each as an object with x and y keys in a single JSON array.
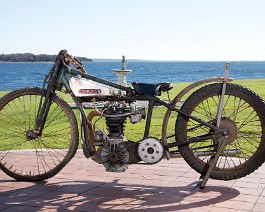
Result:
[
  {"x": 244, "y": 116},
  {"x": 43, "y": 157}
]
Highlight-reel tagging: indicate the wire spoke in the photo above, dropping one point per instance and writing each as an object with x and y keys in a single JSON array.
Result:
[{"x": 38, "y": 155}]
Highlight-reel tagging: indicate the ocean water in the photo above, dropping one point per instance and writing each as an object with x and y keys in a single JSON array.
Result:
[{"x": 19, "y": 75}]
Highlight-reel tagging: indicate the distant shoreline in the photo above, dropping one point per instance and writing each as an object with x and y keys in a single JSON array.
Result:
[
  {"x": 142, "y": 61},
  {"x": 27, "y": 62},
  {"x": 28, "y": 57}
]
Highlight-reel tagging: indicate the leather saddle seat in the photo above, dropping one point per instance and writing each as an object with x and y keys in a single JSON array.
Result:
[{"x": 151, "y": 89}]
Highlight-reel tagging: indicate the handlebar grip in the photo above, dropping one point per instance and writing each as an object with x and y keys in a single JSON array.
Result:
[
  {"x": 71, "y": 59},
  {"x": 76, "y": 62}
]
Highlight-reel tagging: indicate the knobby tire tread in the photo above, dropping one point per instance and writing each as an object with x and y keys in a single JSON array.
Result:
[{"x": 207, "y": 91}]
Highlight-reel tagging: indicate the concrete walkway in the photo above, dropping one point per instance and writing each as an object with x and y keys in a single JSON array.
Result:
[{"x": 83, "y": 185}]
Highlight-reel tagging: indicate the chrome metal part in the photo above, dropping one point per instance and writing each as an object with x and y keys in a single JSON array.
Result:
[
  {"x": 150, "y": 150},
  {"x": 115, "y": 157}
]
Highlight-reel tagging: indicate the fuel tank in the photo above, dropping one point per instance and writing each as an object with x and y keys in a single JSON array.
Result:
[{"x": 82, "y": 87}]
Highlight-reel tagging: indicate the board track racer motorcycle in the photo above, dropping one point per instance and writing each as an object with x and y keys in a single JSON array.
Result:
[{"x": 219, "y": 130}]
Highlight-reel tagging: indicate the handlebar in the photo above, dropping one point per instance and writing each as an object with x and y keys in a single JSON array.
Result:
[{"x": 75, "y": 62}]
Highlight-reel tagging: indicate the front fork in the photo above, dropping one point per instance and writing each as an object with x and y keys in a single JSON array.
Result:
[
  {"x": 45, "y": 101},
  {"x": 43, "y": 110}
]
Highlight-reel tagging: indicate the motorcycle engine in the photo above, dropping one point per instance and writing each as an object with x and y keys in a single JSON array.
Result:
[{"x": 115, "y": 152}]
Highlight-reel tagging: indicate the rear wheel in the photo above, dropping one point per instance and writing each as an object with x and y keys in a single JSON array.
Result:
[
  {"x": 27, "y": 157},
  {"x": 243, "y": 115}
]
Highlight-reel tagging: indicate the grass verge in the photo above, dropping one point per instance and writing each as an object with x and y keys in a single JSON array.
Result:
[{"x": 135, "y": 132}]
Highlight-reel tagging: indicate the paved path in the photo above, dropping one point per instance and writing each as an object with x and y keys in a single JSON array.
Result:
[{"x": 83, "y": 185}]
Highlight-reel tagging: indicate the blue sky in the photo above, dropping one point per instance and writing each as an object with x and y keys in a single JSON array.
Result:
[{"x": 140, "y": 29}]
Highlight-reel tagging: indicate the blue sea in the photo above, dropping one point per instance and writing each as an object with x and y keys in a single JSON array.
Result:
[{"x": 19, "y": 75}]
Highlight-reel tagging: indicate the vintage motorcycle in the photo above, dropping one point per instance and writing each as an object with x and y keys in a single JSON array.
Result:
[{"x": 219, "y": 130}]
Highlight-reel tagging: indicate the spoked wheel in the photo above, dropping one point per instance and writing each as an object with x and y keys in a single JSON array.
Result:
[
  {"x": 25, "y": 155},
  {"x": 243, "y": 115}
]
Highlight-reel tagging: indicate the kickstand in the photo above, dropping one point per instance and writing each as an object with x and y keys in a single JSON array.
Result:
[{"x": 211, "y": 163}]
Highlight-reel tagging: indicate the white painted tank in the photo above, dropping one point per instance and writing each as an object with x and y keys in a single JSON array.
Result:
[{"x": 84, "y": 87}]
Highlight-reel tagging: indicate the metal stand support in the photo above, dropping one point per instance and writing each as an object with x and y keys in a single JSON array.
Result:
[
  {"x": 208, "y": 168},
  {"x": 211, "y": 163}
]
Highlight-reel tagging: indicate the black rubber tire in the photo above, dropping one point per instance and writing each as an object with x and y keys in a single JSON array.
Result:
[
  {"x": 243, "y": 114},
  {"x": 43, "y": 157}
]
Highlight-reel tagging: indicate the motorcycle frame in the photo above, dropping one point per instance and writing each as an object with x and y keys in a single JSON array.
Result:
[{"x": 61, "y": 73}]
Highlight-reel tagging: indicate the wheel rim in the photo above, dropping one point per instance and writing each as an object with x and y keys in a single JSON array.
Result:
[
  {"x": 243, "y": 123},
  {"x": 24, "y": 155}
]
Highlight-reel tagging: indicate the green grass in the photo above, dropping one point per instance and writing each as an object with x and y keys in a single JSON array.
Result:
[
  {"x": 257, "y": 85},
  {"x": 135, "y": 132},
  {"x": 18, "y": 117}
]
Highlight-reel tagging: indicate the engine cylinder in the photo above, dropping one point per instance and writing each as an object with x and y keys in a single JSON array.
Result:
[
  {"x": 115, "y": 126},
  {"x": 115, "y": 120}
]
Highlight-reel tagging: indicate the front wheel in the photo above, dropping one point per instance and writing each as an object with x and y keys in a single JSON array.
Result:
[
  {"x": 24, "y": 157},
  {"x": 243, "y": 114}
]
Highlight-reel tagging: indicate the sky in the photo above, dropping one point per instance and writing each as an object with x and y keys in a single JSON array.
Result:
[{"x": 208, "y": 30}]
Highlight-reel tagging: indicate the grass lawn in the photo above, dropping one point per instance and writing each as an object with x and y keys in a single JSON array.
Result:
[
  {"x": 257, "y": 85},
  {"x": 135, "y": 131}
]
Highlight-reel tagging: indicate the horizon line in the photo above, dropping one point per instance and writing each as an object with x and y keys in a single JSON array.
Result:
[{"x": 150, "y": 60}]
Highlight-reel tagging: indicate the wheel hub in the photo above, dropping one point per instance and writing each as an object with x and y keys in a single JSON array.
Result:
[
  {"x": 230, "y": 125},
  {"x": 30, "y": 134}
]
